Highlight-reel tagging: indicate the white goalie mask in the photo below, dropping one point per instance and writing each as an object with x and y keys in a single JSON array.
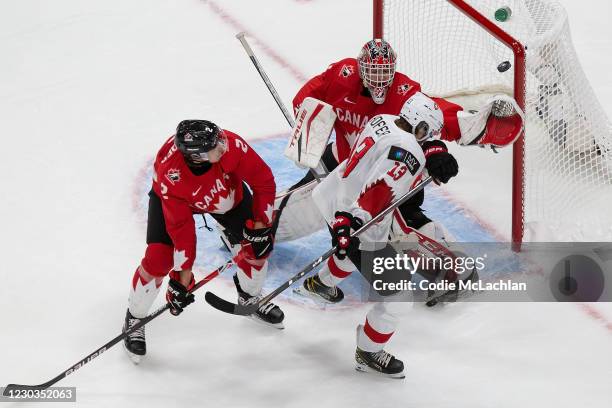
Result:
[
  {"x": 424, "y": 115},
  {"x": 377, "y": 68}
]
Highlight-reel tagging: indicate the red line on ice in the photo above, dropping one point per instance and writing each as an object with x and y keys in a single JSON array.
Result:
[{"x": 232, "y": 21}]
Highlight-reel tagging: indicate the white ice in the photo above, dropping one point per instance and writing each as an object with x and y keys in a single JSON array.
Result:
[{"x": 88, "y": 92}]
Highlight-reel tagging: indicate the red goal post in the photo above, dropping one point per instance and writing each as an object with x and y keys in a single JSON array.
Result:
[{"x": 519, "y": 95}]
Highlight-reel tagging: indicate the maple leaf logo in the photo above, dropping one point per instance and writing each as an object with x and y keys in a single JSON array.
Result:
[
  {"x": 224, "y": 204},
  {"x": 179, "y": 260},
  {"x": 375, "y": 197},
  {"x": 269, "y": 211}
]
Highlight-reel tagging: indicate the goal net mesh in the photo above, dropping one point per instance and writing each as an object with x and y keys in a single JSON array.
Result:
[{"x": 568, "y": 145}]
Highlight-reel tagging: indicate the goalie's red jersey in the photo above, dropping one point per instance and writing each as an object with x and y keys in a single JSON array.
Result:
[
  {"x": 341, "y": 87},
  {"x": 218, "y": 190}
]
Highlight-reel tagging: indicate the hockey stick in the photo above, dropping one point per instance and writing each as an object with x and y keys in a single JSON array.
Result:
[
  {"x": 14, "y": 387},
  {"x": 321, "y": 171},
  {"x": 438, "y": 250},
  {"x": 245, "y": 310}
]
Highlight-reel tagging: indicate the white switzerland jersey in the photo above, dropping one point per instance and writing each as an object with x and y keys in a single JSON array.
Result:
[{"x": 384, "y": 164}]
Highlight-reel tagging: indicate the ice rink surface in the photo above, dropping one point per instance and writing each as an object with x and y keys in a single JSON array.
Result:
[{"x": 88, "y": 93}]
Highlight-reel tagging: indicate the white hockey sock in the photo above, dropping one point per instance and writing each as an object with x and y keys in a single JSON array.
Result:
[
  {"x": 336, "y": 270},
  {"x": 251, "y": 277},
  {"x": 143, "y": 292},
  {"x": 379, "y": 326}
]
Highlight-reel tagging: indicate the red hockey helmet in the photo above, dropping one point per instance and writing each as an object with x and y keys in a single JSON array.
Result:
[{"x": 377, "y": 68}]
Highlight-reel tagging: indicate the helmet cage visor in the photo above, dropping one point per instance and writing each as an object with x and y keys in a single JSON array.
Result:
[{"x": 377, "y": 68}]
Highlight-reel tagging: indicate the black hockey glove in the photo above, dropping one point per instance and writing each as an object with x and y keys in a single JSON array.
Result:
[
  {"x": 177, "y": 295},
  {"x": 261, "y": 239},
  {"x": 341, "y": 233},
  {"x": 440, "y": 164}
]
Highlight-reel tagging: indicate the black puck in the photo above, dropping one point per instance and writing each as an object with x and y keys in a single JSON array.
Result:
[{"x": 504, "y": 66}]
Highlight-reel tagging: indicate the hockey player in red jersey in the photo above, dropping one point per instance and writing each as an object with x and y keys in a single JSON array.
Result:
[
  {"x": 203, "y": 169},
  {"x": 360, "y": 88}
]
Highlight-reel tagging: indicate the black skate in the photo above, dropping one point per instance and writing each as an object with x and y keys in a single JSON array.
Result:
[
  {"x": 379, "y": 362},
  {"x": 269, "y": 314},
  {"x": 135, "y": 344},
  {"x": 314, "y": 288}
]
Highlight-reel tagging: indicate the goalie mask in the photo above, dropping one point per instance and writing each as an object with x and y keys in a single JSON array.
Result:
[
  {"x": 377, "y": 68},
  {"x": 199, "y": 141},
  {"x": 424, "y": 115}
]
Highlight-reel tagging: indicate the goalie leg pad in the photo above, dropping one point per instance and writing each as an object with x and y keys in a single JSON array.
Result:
[
  {"x": 299, "y": 216},
  {"x": 314, "y": 123}
]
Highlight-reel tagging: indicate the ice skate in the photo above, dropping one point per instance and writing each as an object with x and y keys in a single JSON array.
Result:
[
  {"x": 135, "y": 343},
  {"x": 269, "y": 314},
  {"x": 317, "y": 290}
]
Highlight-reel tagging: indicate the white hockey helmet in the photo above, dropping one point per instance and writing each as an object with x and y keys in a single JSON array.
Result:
[
  {"x": 424, "y": 115},
  {"x": 377, "y": 68}
]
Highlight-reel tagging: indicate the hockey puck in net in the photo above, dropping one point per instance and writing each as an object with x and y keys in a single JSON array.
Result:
[{"x": 504, "y": 66}]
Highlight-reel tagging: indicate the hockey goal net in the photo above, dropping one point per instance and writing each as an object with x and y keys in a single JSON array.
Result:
[{"x": 562, "y": 168}]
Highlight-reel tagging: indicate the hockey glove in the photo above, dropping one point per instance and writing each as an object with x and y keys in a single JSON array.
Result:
[
  {"x": 341, "y": 233},
  {"x": 177, "y": 295},
  {"x": 260, "y": 239},
  {"x": 440, "y": 164}
]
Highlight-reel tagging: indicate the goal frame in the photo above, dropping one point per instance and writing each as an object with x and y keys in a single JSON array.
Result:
[{"x": 518, "y": 152}]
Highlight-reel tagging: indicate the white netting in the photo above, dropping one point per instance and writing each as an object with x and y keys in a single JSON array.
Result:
[{"x": 568, "y": 144}]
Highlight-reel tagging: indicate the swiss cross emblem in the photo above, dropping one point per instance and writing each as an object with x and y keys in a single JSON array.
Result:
[
  {"x": 343, "y": 241},
  {"x": 347, "y": 70},
  {"x": 403, "y": 89}
]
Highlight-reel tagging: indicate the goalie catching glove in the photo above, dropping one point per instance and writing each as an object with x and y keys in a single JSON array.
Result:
[
  {"x": 498, "y": 123},
  {"x": 177, "y": 295},
  {"x": 260, "y": 239},
  {"x": 341, "y": 233},
  {"x": 440, "y": 164}
]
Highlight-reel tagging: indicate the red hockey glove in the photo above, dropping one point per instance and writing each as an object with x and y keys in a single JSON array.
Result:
[
  {"x": 177, "y": 295},
  {"x": 341, "y": 233},
  {"x": 261, "y": 240},
  {"x": 440, "y": 164}
]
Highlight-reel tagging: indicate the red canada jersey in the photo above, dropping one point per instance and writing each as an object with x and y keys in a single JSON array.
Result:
[
  {"x": 216, "y": 191},
  {"x": 341, "y": 86}
]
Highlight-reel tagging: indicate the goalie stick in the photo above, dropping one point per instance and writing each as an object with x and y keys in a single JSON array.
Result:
[
  {"x": 14, "y": 387},
  {"x": 245, "y": 310},
  {"x": 320, "y": 171}
]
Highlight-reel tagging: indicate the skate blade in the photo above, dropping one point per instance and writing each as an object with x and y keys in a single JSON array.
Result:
[
  {"x": 307, "y": 294},
  {"x": 365, "y": 369},
  {"x": 135, "y": 358},
  {"x": 256, "y": 319}
]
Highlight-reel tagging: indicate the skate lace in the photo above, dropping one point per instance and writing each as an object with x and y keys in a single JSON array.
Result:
[
  {"x": 138, "y": 334},
  {"x": 265, "y": 309},
  {"x": 383, "y": 357}
]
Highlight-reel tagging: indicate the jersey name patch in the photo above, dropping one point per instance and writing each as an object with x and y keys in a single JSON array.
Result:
[{"x": 404, "y": 156}]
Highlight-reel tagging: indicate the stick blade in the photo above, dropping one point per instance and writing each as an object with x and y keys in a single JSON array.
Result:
[
  {"x": 229, "y": 307},
  {"x": 11, "y": 388}
]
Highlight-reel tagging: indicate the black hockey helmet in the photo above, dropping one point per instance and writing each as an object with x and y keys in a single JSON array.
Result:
[{"x": 194, "y": 138}]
